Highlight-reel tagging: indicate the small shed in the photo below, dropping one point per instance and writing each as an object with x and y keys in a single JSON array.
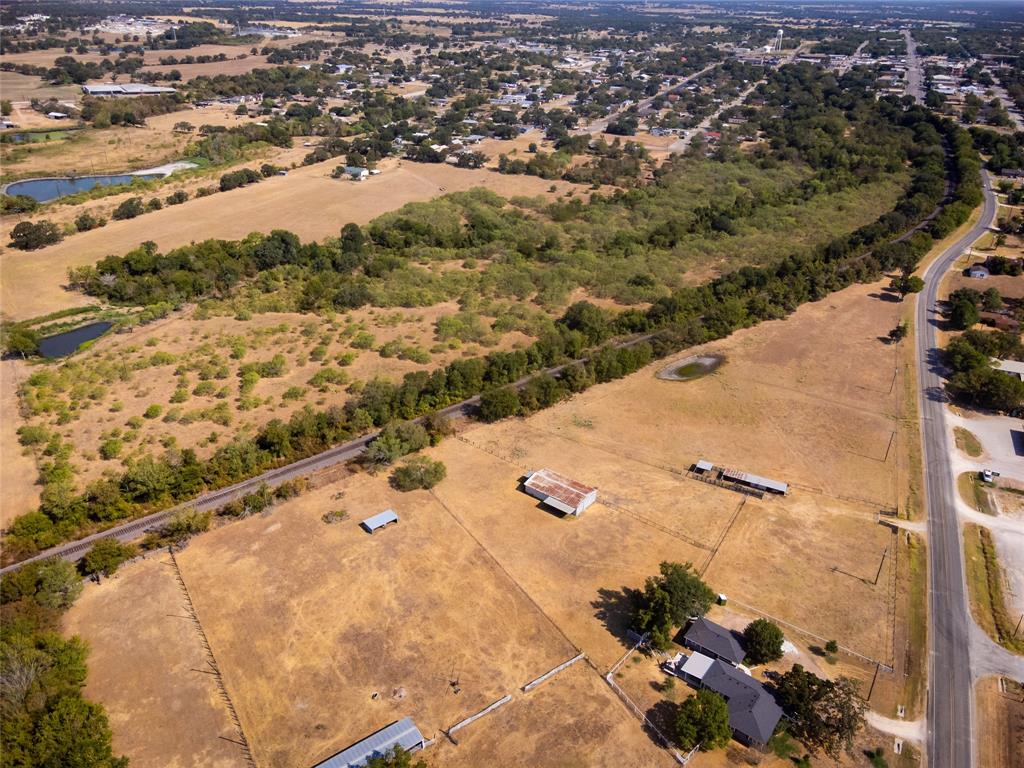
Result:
[
  {"x": 559, "y": 492},
  {"x": 380, "y": 520},
  {"x": 401, "y": 733},
  {"x": 979, "y": 271},
  {"x": 356, "y": 173}
]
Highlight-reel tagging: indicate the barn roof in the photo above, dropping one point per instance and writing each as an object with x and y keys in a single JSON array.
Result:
[
  {"x": 755, "y": 480},
  {"x": 403, "y": 733}
]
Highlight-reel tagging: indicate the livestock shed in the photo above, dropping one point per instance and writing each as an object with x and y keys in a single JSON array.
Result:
[
  {"x": 755, "y": 481},
  {"x": 401, "y": 733},
  {"x": 380, "y": 520},
  {"x": 559, "y": 492}
]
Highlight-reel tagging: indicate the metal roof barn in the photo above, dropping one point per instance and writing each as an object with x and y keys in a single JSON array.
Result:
[
  {"x": 402, "y": 733},
  {"x": 755, "y": 481},
  {"x": 559, "y": 492},
  {"x": 379, "y": 520}
]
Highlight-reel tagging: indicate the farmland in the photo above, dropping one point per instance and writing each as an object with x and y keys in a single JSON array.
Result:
[{"x": 559, "y": 582}]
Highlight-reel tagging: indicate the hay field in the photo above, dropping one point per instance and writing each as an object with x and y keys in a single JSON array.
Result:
[
  {"x": 307, "y": 202},
  {"x": 23, "y": 88},
  {"x": 305, "y": 640}
]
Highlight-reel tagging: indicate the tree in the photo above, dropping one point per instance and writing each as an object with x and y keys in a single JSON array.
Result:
[
  {"x": 75, "y": 733},
  {"x": 396, "y": 440},
  {"x": 27, "y": 235},
  {"x": 499, "y": 403},
  {"x": 905, "y": 284},
  {"x": 396, "y": 757},
  {"x": 899, "y": 333},
  {"x": 86, "y": 221},
  {"x": 991, "y": 300},
  {"x": 831, "y": 647},
  {"x": 703, "y": 720},
  {"x": 763, "y": 640},
  {"x": 6, "y": 108},
  {"x": 669, "y": 600},
  {"x": 825, "y": 714},
  {"x": 418, "y": 472},
  {"x": 20, "y": 340},
  {"x": 963, "y": 315},
  {"x": 106, "y": 557}
]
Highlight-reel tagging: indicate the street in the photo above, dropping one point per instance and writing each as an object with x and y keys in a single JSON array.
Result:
[{"x": 950, "y": 682}]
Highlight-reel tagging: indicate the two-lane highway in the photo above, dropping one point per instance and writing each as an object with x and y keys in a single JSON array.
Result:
[{"x": 950, "y": 685}]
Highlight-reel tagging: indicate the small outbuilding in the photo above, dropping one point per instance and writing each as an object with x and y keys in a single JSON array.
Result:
[
  {"x": 559, "y": 492},
  {"x": 979, "y": 271},
  {"x": 356, "y": 173},
  {"x": 380, "y": 520},
  {"x": 402, "y": 733}
]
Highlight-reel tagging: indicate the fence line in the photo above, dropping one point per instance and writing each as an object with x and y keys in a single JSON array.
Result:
[
  {"x": 552, "y": 672},
  {"x": 643, "y": 718},
  {"x": 486, "y": 710},
  {"x": 212, "y": 661},
  {"x": 808, "y": 633}
]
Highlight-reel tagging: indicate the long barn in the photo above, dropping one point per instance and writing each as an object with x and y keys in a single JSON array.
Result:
[{"x": 559, "y": 492}]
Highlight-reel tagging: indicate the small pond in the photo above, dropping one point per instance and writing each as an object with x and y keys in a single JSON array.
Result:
[
  {"x": 63, "y": 344},
  {"x": 44, "y": 190}
]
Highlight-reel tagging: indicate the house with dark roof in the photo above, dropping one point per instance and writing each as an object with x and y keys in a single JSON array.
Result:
[
  {"x": 713, "y": 640},
  {"x": 753, "y": 713}
]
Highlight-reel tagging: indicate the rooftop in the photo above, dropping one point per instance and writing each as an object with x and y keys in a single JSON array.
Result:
[
  {"x": 715, "y": 638},
  {"x": 555, "y": 486},
  {"x": 403, "y": 733}
]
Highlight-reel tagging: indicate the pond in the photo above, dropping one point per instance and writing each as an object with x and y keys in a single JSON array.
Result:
[
  {"x": 63, "y": 344},
  {"x": 44, "y": 190}
]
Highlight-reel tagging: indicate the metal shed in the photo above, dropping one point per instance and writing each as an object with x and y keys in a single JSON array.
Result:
[
  {"x": 402, "y": 733},
  {"x": 559, "y": 492},
  {"x": 379, "y": 520},
  {"x": 755, "y": 481}
]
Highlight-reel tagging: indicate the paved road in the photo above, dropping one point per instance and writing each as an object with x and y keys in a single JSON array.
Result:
[
  {"x": 915, "y": 77},
  {"x": 950, "y": 684}
]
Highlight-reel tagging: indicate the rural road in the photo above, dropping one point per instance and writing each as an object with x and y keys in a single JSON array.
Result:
[{"x": 950, "y": 683}]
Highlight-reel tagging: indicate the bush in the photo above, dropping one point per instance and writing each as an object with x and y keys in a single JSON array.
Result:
[
  {"x": 86, "y": 221},
  {"x": 418, "y": 472},
  {"x": 239, "y": 178},
  {"x": 17, "y": 204},
  {"x": 153, "y": 411},
  {"x": 27, "y": 235},
  {"x": 177, "y": 198},
  {"x": 111, "y": 449},
  {"x": 106, "y": 557},
  {"x": 128, "y": 209}
]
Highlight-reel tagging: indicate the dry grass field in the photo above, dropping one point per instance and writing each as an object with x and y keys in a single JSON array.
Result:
[
  {"x": 1000, "y": 723},
  {"x": 109, "y": 388},
  {"x": 18, "y": 491},
  {"x": 149, "y": 668},
  {"x": 305, "y": 651},
  {"x": 308, "y": 620},
  {"x": 307, "y": 201},
  {"x": 21, "y": 89}
]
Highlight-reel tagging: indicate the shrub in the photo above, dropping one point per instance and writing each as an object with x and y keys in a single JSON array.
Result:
[
  {"x": 418, "y": 472},
  {"x": 17, "y": 204},
  {"x": 106, "y": 557},
  {"x": 27, "y": 235},
  {"x": 177, "y": 198},
  {"x": 111, "y": 449},
  {"x": 86, "y": 221},
  {"x": 153, "y": 411},
  {"x": 129, "y": 209}
]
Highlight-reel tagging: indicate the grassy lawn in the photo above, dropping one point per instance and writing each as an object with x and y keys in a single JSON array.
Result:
[
  {"x": 985, "y": 584},
  {"x": 975, "y": 492},
  {"x": 967, "y": 442},
  {"x": 917, "y": 623}
]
